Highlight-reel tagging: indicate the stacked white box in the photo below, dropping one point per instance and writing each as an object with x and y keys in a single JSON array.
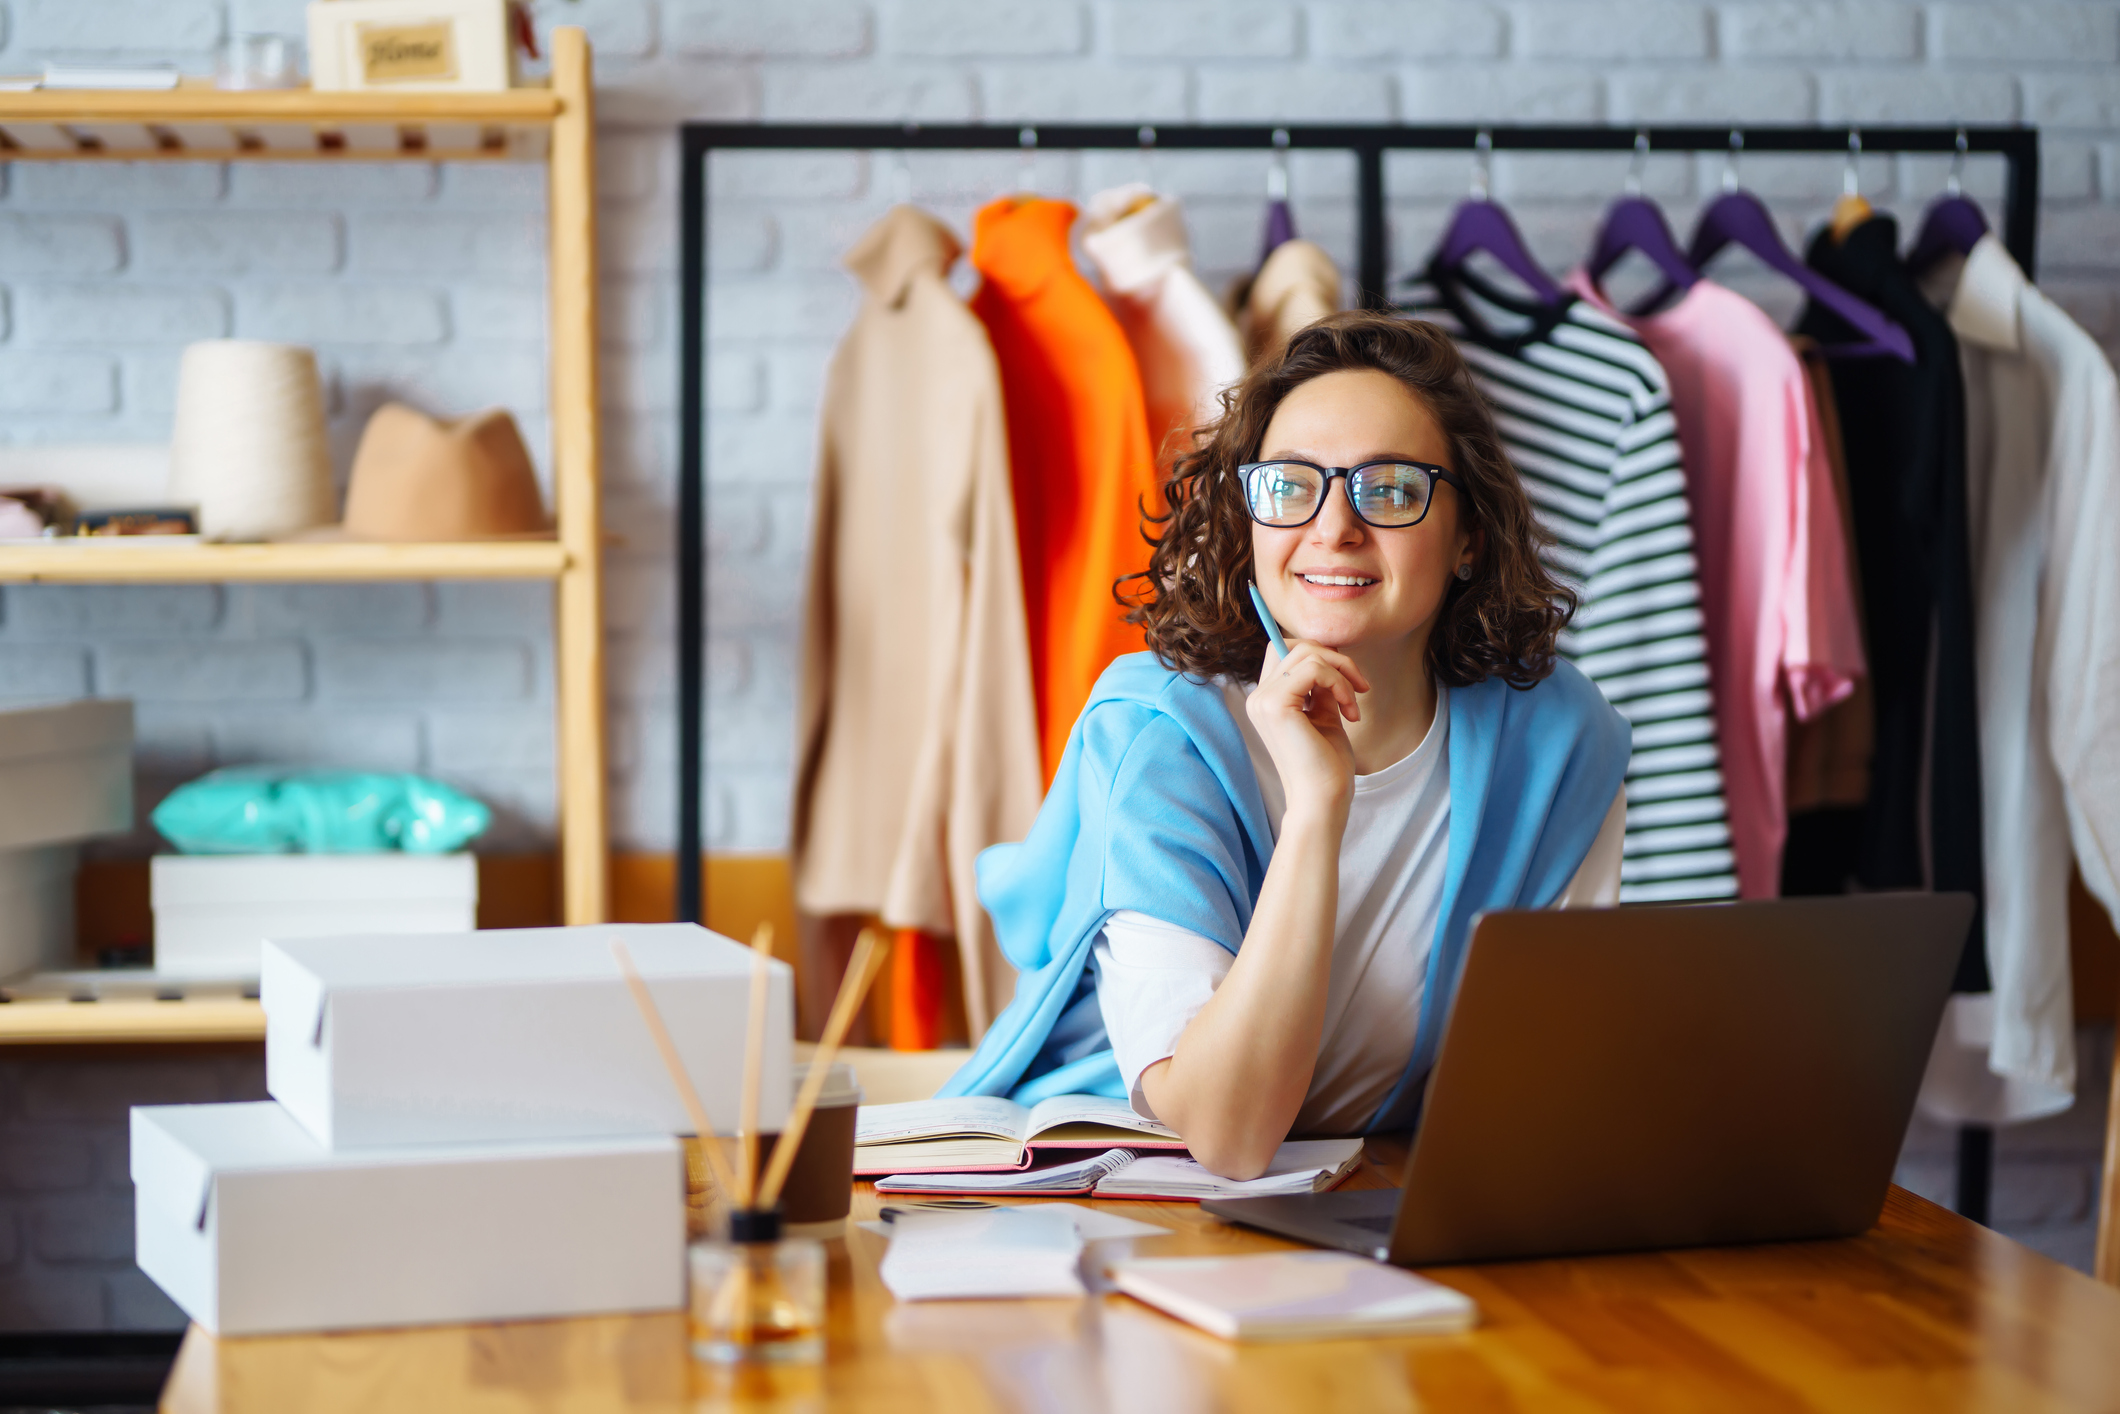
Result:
[
  {"x": 213, "y": 912},
  {"x": 253, "y": 1227},
  {"x": 526, "y": 1033},
  {"x": 65, "y": 776},
  {"x": 465, "y": 1127}
]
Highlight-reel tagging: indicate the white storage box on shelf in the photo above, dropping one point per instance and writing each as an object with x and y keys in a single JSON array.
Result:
[
  {"x": 214, "y": 911},
  {"x": 253, "y": 1227},
  {"x": 525, "y": 1033},
  {"x": 65, "y": 772},
  {"x": 37, "y": 909},
  {"x": 65, "y": 776}
]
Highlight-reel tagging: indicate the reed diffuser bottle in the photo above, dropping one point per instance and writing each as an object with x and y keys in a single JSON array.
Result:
[{"x": 758, "y": 1298}]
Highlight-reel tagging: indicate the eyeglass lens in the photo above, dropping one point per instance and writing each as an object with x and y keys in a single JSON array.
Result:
[{"x": 1287, "y": 493}]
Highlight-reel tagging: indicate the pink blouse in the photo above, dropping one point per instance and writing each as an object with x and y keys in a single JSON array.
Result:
[{"x": 1783, "y": 635}]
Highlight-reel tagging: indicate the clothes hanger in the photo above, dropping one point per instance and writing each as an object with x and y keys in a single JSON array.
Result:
[
  {"x": 1280, "y": 220},
  {"x": 1147, "y": 198},
  {"x": 1026, "y": 165},
  {"x": 1954, "y": 224},
  {"x": 1480, "y": 225},
  {"x": 1740, "y": 217},
  {"x": 1636, "y": 223},
  {"x": 902, "y": 174},
  {"x": 1852, "y": 209}
]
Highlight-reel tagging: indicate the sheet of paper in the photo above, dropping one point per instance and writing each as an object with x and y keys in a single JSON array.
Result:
[
  {"x": 1094, "y": 1224},
  {"x": 1006, "y": 1252}
]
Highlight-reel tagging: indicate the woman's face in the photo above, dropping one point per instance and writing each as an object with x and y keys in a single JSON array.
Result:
[{"x": 1340, "y": 581}]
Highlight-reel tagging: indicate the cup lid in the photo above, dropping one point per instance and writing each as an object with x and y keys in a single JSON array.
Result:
[{"x": 840, "y": 1087}]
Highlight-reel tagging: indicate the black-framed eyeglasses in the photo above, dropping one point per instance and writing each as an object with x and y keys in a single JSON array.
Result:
[{"x": 1387, "y": 494}]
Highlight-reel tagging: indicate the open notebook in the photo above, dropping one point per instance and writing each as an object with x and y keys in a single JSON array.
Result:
[
  {"x": 1299, "y": 1166},
  {"x": 984, "y": 1133}
]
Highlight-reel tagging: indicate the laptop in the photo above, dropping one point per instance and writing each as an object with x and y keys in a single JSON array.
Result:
[{"x": 1698, "y": 1075}]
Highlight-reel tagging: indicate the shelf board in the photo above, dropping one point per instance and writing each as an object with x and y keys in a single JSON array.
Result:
[
  {"x": 147, "y": 564},
  {"x": 200, "y": 123},
  {"x": 70, "y": 1023}
]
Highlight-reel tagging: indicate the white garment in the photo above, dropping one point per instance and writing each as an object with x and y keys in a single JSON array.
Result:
[
  {"x": 1153, "y": 977},
  {"x": 2043, "y": 486},
  {"x": 1183, "y": 341}
]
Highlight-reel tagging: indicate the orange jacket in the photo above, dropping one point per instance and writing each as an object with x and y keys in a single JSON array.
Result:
[{"x": 1079, "y": 454}]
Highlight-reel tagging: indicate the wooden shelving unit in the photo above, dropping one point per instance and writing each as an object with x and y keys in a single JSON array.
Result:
[
  {"x": 553, "y": 125},
  {"x": 94, "y": 1023},
  {"x": 100, "y": 562}
]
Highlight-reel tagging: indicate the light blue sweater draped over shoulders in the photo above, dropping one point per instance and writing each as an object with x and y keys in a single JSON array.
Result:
[{"x": 1156, "y": 808}]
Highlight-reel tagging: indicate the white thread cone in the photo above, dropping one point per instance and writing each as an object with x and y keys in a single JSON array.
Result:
[{"x": 248, "y": 446}]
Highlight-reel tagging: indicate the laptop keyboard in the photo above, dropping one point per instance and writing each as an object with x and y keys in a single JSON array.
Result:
[{"x": 1374, "y": 1222}]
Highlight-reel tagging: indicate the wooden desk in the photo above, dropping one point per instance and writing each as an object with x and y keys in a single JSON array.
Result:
[{"x": 1926, "y": 1312}]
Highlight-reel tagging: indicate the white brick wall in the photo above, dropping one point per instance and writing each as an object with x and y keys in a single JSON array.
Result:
[{"x": 426, "y": 283}]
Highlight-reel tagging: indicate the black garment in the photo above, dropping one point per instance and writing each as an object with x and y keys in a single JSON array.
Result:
[{"x": 1903, "y": 429}]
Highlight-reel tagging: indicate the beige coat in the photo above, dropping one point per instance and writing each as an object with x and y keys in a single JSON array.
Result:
[
  {"x": 1184, "y": 342},
  {"x": 1297, "y": 285},
  {"x": 917, "y": 742}
]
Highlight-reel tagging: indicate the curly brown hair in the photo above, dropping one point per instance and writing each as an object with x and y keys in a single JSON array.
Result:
[{"x": 1192, "y": 602}]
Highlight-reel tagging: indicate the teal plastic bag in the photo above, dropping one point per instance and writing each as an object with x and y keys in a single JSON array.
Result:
[{"x": 268, "y": 810}]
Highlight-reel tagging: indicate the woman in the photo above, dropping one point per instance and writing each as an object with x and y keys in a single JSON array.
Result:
[{"x": 1245, "y": 902}]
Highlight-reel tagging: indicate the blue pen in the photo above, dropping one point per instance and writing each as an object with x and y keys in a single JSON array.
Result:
[{"x": 1273, "y": 630}]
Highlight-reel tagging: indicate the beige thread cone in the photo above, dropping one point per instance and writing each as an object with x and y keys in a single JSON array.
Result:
[{"x": 248, "y": 444}]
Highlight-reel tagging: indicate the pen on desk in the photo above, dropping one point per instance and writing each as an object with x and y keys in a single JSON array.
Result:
[
  {"x": 1273, "y": 630},
  {"x": 940, "y": 1205}
]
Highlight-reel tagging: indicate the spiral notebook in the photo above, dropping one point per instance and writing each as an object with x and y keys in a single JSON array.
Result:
[{"x": 1299, "y": 1166}]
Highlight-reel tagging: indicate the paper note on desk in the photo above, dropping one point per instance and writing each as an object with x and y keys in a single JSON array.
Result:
[{"x": 1000, "y": 1252}]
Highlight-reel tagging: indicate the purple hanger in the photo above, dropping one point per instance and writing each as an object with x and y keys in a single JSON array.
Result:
[
  {"x": 1953, "y": 225},
  {"x": 1280, "y": 227},
  {"x": 1280, "y": 221},
  {"x": 1636, "y": 223},
  {"x": 1738, "y": 216},
  {"x": 1479, "y": 225}
]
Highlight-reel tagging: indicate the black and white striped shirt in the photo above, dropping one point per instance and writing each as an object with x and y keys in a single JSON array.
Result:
[{"x": 1585, "y": 415}]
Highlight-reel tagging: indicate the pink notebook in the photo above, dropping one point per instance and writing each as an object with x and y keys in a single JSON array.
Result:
[
  {"x": 1296, "y": 1296},
  {"x": 987, "y": 1134}
]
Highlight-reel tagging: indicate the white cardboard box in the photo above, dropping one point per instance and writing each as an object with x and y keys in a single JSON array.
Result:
[
  {"x": 524, "y": 1033},
  {"x": 37, "y": 909},
  {"x": 65, "y": 772},
  {"x": 214, "y": 912},
  {"x": 253, "y": 1227}
]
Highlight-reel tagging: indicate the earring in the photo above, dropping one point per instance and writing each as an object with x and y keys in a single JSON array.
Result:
[{"x": 1464, "y": 571}]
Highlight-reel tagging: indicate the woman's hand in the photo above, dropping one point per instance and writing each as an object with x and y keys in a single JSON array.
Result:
[{"x": 1301, "y": 708}]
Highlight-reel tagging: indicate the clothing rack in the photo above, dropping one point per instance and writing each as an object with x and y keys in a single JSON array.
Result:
[{"x": 2017, "y": 146}]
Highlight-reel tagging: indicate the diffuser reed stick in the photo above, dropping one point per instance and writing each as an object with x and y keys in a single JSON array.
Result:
[
  {"x": 754, "y": 1056},
  {"x": 709, "y": 1145},
  {"x": 869, "y": 956}
]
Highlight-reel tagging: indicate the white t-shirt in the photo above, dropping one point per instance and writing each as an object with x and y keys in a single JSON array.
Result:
[{"x": 1153, "y": 977}]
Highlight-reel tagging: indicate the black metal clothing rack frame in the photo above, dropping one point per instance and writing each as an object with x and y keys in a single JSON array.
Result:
[{"x": 2018, "y": 146}]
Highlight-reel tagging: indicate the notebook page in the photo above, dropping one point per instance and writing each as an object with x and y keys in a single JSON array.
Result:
[{"x": 988, "y": 1115}]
